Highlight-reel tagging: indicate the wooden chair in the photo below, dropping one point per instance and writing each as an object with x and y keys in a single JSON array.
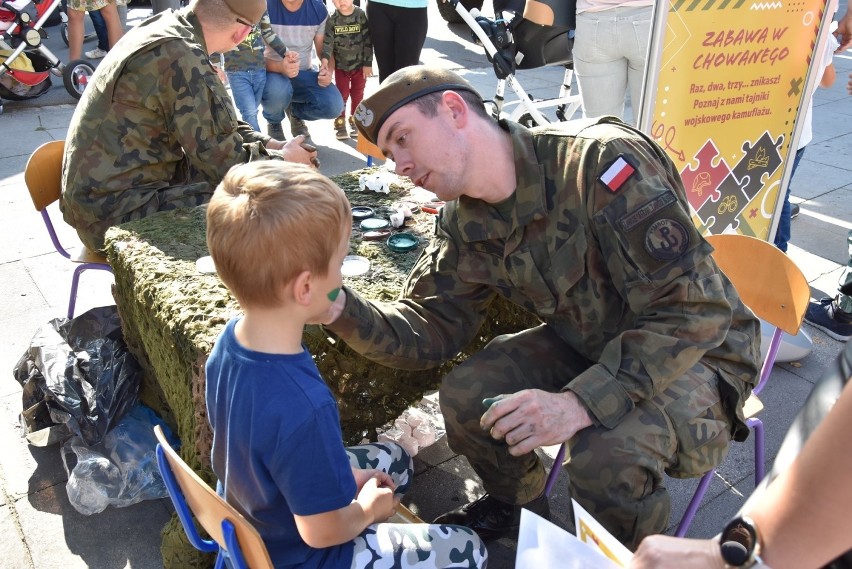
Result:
[
  {"x": 232, "y": 535},
  {"x": 43, "y": 177},
  {"x": 774, "y": 288}
]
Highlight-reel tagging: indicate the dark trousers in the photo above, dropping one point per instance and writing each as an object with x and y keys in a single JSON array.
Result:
[{"x": 398, "y": 35}]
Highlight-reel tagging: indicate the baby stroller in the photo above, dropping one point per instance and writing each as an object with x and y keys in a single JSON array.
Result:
[
  {"x": 542, "y": 35},
  {"x": 25, "y": 62}
]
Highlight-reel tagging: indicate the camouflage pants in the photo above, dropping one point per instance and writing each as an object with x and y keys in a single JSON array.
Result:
[
  {"x": 616, "y": 474},
  {"x": 409, "y": 545},
  {"x": 172, "y": 197}
]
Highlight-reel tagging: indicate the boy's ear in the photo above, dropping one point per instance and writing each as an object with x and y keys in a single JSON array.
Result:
[{"x": 303, "y": 288}]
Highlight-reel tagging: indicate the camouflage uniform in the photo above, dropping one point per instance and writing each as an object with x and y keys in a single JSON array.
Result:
[
  {"x": 155, "y": 129},
  {"x": 348, "y": 39},
  {"x": 638, "y": 322},
  {"x": 404, "y": 546}
]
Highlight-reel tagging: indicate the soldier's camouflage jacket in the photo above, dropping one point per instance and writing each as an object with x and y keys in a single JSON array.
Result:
[
  {"x": 154, "y": 115},
  {"x": 600, "y": 245},
  {"x": 348, "y": 39}
]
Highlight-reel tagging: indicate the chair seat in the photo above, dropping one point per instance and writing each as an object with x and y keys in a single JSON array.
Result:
[
  {"x": 405, "y": 516},
  {"x": 86, "y": 255},
  {"x": 752, "y": 406}
]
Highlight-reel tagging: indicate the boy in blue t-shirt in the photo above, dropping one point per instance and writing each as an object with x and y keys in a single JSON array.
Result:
[{"x": 277, "y": 443}]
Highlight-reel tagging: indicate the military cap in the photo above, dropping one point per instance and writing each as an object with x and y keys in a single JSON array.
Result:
[
  {"x": 249, "y": 10},
  {"x": 402, "y": 87}
]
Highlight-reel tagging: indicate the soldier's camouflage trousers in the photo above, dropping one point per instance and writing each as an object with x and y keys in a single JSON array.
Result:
[
  {"x": 616, "y": 474},
  {"x": 172, "y": 197},
  {"x": 425, "y": 546}
]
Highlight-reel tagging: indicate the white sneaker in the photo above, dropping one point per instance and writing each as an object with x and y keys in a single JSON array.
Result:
[{"x": 96, "y": 53}]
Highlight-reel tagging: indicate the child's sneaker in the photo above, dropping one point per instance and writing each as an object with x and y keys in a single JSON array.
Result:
[
  {"x": 353, "y": 130},
  {"x": 340, "y": 128}
]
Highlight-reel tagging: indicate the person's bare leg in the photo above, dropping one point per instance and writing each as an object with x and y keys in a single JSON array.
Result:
[
  {"x": 114, "y": 28},
  {"x": 75, "y": 34}
]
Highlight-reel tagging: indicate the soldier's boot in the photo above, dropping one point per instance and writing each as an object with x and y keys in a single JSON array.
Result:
[
  {"x": 353, "y": 130},
  {"x": 275, "y": 130},
  {"x": 340, "y": 128},
  {"x": 492, "y": 519},
  {"x": 298, "y": 126}
]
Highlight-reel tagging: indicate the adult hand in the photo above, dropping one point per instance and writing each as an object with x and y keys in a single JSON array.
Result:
[
  {"x": 324, "y": 77},
  {"x": 533, "y": 418},
  {"x": 665, "y": 552},
  {"x": 293, "y": 151},
  {"x": 844, "y": 31},
  {"x": 290, "y": 64}
]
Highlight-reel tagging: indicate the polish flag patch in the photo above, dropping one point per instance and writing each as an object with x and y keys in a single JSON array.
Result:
[{"x": 618, "y": 173}]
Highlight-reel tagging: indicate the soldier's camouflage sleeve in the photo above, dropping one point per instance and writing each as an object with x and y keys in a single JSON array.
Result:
[{"x": 421, "y": 330}]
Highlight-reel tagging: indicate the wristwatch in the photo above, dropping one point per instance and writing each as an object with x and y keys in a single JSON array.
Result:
[{"x": 740, "y": 543}]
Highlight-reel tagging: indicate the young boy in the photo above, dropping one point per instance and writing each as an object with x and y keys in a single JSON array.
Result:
[
  {"x": 246, "y": 70},
  {"x": 348, "y": 50},
  {"x": 278, "y": 233}
]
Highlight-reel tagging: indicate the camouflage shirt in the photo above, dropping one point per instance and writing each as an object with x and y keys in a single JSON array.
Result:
[
  {"x": 248, "y": 55},
  {"x": 618, "y": 271},
  {"x": 347, "y": 38},
  {"x": 155, "y": 115}
]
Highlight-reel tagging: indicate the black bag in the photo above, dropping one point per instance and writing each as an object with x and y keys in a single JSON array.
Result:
[{"x": 77, "y": 377}]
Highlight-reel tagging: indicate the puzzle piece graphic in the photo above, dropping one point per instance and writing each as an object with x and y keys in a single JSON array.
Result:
[
  {"x": 702, "y": 183},
  {"x": 719, "y": 215},
  {"x": 760, "y": 161}
]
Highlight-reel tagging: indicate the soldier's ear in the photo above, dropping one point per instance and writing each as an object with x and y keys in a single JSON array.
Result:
[{"x": 456, "y": 107}]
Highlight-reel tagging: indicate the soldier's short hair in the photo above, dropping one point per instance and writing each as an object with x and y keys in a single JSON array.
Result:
[{"x": 270, "y": 220}]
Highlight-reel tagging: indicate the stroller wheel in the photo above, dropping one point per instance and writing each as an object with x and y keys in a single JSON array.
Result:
[
  {"x": 63, "y": 31},
  {"x": 76, "y": 75}
]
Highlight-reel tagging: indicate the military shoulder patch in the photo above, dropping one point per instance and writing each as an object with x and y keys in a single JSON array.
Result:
[
  {"x": 666, "y": 239},
  {"x": 617, "y": 173}
]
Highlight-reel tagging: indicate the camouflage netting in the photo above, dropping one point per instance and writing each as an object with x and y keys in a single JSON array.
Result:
[{"x": 172, "y": 314}]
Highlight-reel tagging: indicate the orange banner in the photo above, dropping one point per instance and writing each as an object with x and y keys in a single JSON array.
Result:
[{"x": 724, "y": 84}]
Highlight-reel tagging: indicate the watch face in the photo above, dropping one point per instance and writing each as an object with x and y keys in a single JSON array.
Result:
[{"x": 738, "y": 541}]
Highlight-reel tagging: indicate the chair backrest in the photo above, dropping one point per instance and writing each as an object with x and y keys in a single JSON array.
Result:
[
  {"x": 209, "y": 509},
  {"x": 769, "y": 283},
  {"x": 43, "y": 174},
  {"x": 767, "y": 280}
]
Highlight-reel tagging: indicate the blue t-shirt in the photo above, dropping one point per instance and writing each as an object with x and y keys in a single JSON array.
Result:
[{"x": 277, "y": 446}]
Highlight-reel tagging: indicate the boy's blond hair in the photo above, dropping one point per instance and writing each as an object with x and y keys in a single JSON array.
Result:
[{"x": 270, "y": 220}]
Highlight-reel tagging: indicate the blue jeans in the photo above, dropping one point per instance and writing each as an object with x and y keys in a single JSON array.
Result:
[
  {"x": 307, "y": 100},
  {"x": 782, "y": 234},
  {"x": 247, "y": 88},
  {"x": 100, "y": 26}
]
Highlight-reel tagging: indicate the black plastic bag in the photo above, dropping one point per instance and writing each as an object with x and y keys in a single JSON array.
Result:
[{"x": 77, "y": 374}]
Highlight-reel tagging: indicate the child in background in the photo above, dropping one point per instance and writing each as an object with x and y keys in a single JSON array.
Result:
[
  {"x": 827, "y": 75},
  {"x": 278, "y": 233},
  {"x": 348, "y": 50},
  {"x": 246, "y": 69}
]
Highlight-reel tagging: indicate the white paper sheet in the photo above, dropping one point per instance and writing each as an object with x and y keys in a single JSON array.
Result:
[{"x": 543, "y": 544}]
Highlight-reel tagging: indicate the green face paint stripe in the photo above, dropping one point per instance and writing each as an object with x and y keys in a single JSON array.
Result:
[{"x": 332, "y": 296}]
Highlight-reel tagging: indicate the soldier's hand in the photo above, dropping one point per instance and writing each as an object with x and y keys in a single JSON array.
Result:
[
  {"x": 294, "y": 151},
  {"x": 533, "y": 418},
  {"x": 665, "y": 552},
  {"x": 336, "y": 309}
]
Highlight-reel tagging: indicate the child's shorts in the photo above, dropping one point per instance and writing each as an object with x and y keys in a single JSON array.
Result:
[{"x": 88, "y": 5}]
